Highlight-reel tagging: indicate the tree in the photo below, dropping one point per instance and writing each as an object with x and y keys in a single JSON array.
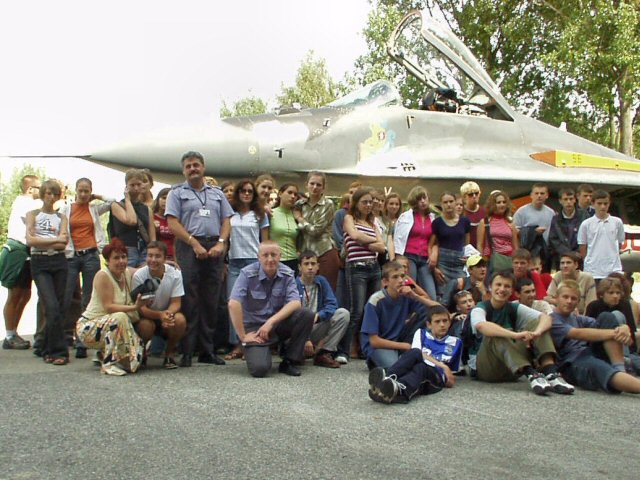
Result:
[
  {"x": 313, "y": 86},
  {"x": 599, "y": 46},
  {"x": 9, "y": 192},
  {"x": 515, "y": 41},
  {"x": 250, "y": 105}
]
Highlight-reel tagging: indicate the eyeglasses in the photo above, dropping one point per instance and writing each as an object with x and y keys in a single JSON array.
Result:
[
  {"x": 366, "y": 202},
  {"x": 246, "y": 191},
  {"x": 473, "y": 194}
]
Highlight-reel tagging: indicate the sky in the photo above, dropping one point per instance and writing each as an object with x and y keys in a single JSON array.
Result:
[{"x": 78, "y": 75}]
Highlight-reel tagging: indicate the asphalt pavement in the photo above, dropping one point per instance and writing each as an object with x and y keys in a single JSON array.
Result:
[{"x": 217, "y": 422}]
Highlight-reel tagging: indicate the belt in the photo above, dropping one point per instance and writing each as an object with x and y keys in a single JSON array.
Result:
[
  {"x": 207, "y": 238},
  {"x": 364, "y": 263},
  {"x": 48, "y": 253},
  {"x": 79, "y": 253}
]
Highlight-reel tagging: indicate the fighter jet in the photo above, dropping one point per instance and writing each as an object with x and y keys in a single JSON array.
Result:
[{"x": 461, "y": 128}]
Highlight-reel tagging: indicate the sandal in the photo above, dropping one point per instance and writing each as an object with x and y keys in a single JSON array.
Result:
[
  {"x": 169, "y": 363},
  {"x": 60, "y": 361},
  {"x": 234, "y": 355},
  {"x": 47, "y": 359}
]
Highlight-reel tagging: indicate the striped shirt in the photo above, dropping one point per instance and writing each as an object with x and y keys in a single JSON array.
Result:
[{"x": 357, "y": 252}]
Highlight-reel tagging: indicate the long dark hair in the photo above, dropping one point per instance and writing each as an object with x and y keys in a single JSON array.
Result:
[
  {"x": 156, "y": 203},
  {"x": 256, "y": 205},
  {"x": 283, "y": 189},
  {"x": 355, "y": 198}
]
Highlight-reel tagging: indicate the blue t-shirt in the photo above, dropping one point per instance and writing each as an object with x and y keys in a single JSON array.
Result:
[
  {"x": 569, "y": 348},
  {"x": 385, "y": 317},
  {"x": 451, "y": 238}
]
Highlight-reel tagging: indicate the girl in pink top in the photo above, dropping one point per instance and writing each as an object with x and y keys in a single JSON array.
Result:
[{"x": 504, "y": 235}]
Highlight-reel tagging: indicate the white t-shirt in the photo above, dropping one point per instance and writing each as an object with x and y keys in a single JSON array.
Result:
[
  {"x": 603, "y": 239},
  {"x": 16, "y": 227},
  {"x": 170, "y": 286}
]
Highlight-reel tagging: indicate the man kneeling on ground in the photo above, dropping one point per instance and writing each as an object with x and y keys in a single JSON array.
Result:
[
  {"x": 330, "y": 322},
  {"x": 590, "y": 350},
  {"x": 163, "y": 316},
  {"x": 265, "y": 309},
  {"x": 425, "y": 369},
  {"x": 507, "y": 331}
]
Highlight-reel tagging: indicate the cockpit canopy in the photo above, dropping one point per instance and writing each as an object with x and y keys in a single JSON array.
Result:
[{"x": 377, "y": 94}]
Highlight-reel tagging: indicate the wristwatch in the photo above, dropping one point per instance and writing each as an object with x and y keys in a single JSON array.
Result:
[{"x": 221, "y": 240}]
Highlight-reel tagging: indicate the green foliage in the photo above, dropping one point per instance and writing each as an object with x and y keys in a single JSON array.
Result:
[
  {"x": 250, "y": 105},
  {"x": 313, "y": 86},
  {"x": 599, "y": 47},
  {"x": 556, "y": 60},
  {"x": 9, "y": 192}
]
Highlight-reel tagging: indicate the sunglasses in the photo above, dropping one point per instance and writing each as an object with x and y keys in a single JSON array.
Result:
[
  {"x": 246, "y": 191},
  {"x": 473, "y": 194}
]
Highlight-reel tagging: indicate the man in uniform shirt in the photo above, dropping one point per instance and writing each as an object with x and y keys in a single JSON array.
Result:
[
  {"x": 265, "y": 309},
  {"x": 198, "y": 215}
]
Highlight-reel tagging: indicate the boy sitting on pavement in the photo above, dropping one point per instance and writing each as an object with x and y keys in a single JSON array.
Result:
[
  {"x": 590, "y": 350},
  {"x": 390, "y": 318},
  {"x": 330, "y": 322},
  {"x": 425, "y": 369},
  {"x": 508, "y": 330}
]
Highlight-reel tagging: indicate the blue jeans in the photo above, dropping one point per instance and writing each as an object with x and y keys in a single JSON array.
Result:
[
  {"x": 50, "y": 276},
  {"x": 362, "y": 282},
  {"x": 421, "y": 273},
  {"x": 235, "y": 265},
  {"x": 136, "y": 257},
  {"x": 384, "y": 357},
  {"x": 88, "y": 265}
]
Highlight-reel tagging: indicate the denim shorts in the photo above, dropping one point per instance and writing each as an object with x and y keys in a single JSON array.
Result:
[{"x": 590, "y": 371}]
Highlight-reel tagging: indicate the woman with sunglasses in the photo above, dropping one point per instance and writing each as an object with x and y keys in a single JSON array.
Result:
[{"x": 249, "y": 226}]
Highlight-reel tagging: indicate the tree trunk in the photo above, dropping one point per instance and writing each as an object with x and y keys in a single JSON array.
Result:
[{"x": 626, "y": 118}]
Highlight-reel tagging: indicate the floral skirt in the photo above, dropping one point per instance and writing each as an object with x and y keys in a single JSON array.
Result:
[{"x": 115, "y": 336}]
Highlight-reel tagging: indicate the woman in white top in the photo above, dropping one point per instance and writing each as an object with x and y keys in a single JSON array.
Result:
[{"x": 47, "y": 237}]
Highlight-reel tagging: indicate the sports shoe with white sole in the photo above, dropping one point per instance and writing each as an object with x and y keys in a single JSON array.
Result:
[
  {"x": 539, "y": 384},
  {"x": 391, "y": 390},
  {"x": 342, "y": 359},
  {"x": 113, "y": 369},
  {"x": 376, "y": 375},
  {"x": 559, "y": 384}
]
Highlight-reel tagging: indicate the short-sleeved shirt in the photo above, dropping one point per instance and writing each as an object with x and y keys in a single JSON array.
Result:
[
  {"x": 16, "y": 226},
  {"x": 260, "y": 296},
  {"x": 385, "y": 316},
  {"x": 502, "y": 318},
  {"x": 245, "y": 234},
  {"x": 530, "y": 216},
  {"x": 447, "y": 350},
  {"x": 171, "y": 286},
  {"x": 603, "y": 239},
  {"x": 284, "y": 230},
  {"x": 569, "y": 349},
  {"x": 451, "y": 237},
  {"x": 474, "y": 220},
  {"x": 186, "y": 204}
]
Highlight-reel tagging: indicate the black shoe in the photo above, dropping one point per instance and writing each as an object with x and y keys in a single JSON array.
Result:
[
  {"x": 211, "y": 359},
  {"x": 186, "y": 360},
  {"x": 288, "y": 368},
  {"x": 81, "y": 352}
]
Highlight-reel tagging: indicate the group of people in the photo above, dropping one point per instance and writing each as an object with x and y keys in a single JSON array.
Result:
[{"x": 417, "y": 293}]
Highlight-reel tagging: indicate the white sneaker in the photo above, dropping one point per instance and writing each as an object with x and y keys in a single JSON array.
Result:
[
  {"x": 559, "y": 384},
  {"x": 539, "y": 384},
  {"x": 342, "y": 359},
  {"x": 113, "y": 369}
]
